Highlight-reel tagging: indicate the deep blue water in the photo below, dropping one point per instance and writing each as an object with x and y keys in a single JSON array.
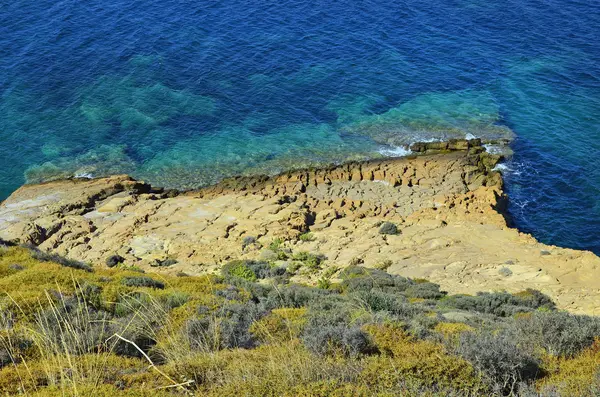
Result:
[{"x": 182, "y": 93}]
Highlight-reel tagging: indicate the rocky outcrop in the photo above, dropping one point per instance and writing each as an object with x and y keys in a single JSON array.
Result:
[{"x": 447, "y": 208}]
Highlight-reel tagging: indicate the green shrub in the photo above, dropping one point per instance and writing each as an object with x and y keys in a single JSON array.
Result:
[
  {"x": 239, "y": 269},
  {"x": 276, "y": 244},
  {"x": 71, "y": 326},
  {"x": 295, "y": 296},
  {"x": 388, "y": 228},
  {"x": 90, "y": 294},
  {"x": 384, "y": 265},
  {"x": 227, "y": 328},
  {"x": 558, "y": 333},
  {"x": 16, "y": 266},
  {"x": 294, "y": 267},
  {"x": 251, "y": 270},
  {"x": 505, "y": 271},
  {"x": 311, "y": 261},
  {"x": 47, "y": 257},
  {"x": 336, "y": 339},
  {"x": 499, "y": 359},
  {"x": 323, "y": 283},
  {"x": 425, "y": 290},
  {"x": 248, "y": 241},
  {"x": 501, "y": 304},
  {"x": 164, "y": 263},
  {"x": 114, "y": 260},
  {"x": 142, "y": 281},
  {"x": 355, "y": 278},
  {"x": 175, "y": 299},
  {"x": 307, "y": 237}
]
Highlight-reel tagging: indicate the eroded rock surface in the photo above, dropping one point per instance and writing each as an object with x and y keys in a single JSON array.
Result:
[{"x": 447, "y": 208}]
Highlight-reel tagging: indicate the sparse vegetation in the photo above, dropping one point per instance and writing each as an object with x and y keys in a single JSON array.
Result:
[
  {"x": 140, "y": 281},
  {"x": 308, "y": 236},
  {"x": 311, "y": 261},
  {"x": 114, "y": 260},
  {"x": 505, "y": 271},
  {"x": 388, "y": 228},
  {"x": 248, "y": 241},
  {"x": 77, "y": 331}
]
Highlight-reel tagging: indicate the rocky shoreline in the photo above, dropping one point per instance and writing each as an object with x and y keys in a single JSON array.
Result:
[{"x": 446, "y": 203}]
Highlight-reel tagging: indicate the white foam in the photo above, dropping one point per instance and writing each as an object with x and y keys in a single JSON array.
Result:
[
  {"x": 85, "y": 175},
  {"x": 470, "y": 136},
  {"x": 395, "y": 151},
  {"x": 492, "y": 149},
  {"x": 502, "y": 168}
]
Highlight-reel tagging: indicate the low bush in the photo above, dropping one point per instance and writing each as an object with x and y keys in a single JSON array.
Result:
[
  {"x": 558, "y": 333},
  {"x": 402, "y": 358},
  {"x": 280, "y": 325},
  {"x": 226, "y": 328},
  {"x": 13, "y": 346},
  {"x": 306, "y": 237},
  {"x": 248, "y": 241},
  {"x": 355, "y": 278},
  {"x": 16, "y": 266},
  {"x": 47, "y": 257},
  {"x": 294, "y": 296},
  {"x": 337, "y": 339},
  {"x": 142, "y": 281},
  {"x": 498, "y": 358},
  {"x": 114, "y": 260},
  {"x": 250, "y": 270},
  {"x": 425, "y": 290},
  {"x": 71, "y": 326},
  {"x": 388, "y": 228},
  {"x": 164, "y": 262},
  {"x": 311, "y": 261},
  {"x": 501, "y": 304}
]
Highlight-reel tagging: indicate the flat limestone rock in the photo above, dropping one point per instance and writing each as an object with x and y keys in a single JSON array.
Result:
[{"x": 447, "y": 208}]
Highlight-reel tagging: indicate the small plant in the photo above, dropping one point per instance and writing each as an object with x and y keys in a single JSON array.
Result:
[
  {"x": 175, "y": 299},
  {"x": 142, "y": 281},
  {"x": 251, "y": 270},
  {"x": 323, "y": 283},
  {"x": 46, "y": 257},
  {"x": 311, "y": 261},
  {"x": 16, "y": 266},
  {"x": 248, "y": 241},
  {"x": 308, "y": 236},
  {"x": 388, "y": 228},
  {"x": 239, "y": 269},
  {"x": 330, "y": 271},
  {"x": 294, "y": 267},
  {"x": 164, "y": 263},
  {"x": 276, "y": 244},
  {"x": 384, "y": 265},
  {"x": 114, "y": 260},
  {"x": 332, "y": 339},
  {"x": 505, "y": 272}
]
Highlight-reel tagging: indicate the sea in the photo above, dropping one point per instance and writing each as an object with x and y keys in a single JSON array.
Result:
[{"x": 183, "y": 93}]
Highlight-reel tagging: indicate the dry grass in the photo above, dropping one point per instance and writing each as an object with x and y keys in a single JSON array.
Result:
[{"x": 78, "y": 333}]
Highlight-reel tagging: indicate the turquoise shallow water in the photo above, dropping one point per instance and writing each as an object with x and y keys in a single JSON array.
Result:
[{"x": 183, "y": 93}]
